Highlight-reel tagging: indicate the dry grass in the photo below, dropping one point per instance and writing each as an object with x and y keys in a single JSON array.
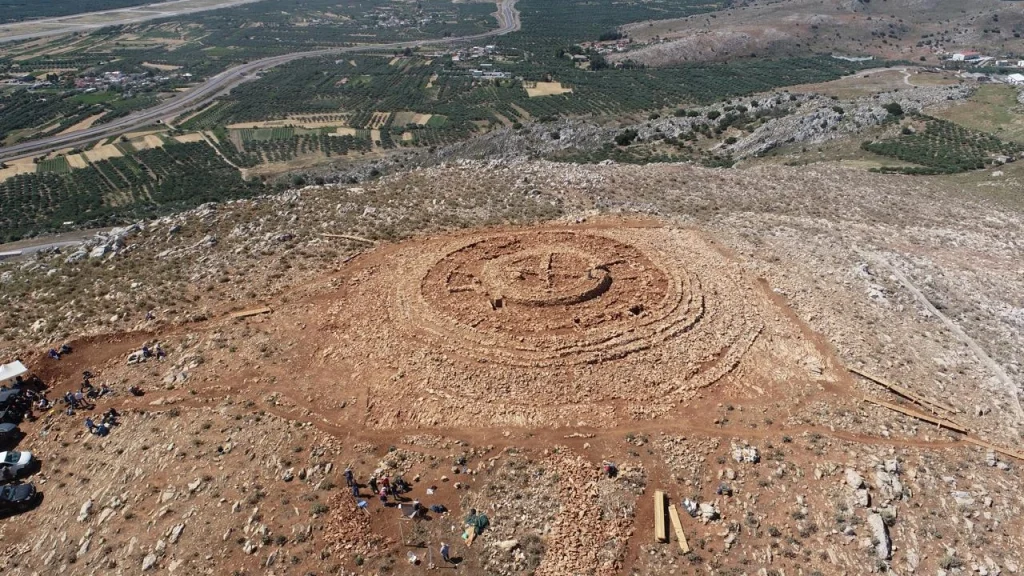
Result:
[
  {"x": 163, "y": 67},
  {"x": 102, "y": 152},
  {"x": 15, "y": 167},
  {"x": 546, "y": 89},
  {"x": 991, "y": 109},
  {"x": 77, "y": 161},
  {"x": 404, "y": 118},
  {"x": 147, "y": 141},
  {"x": 190, "y": 137}
]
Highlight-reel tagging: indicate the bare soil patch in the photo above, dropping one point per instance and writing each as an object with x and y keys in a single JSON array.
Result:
[
  {"x": 535, "y": 89},
  {"x": 163, "y": 67},
  {"x": 190, "y": 137},
  {"x": 84, "y": 123}
]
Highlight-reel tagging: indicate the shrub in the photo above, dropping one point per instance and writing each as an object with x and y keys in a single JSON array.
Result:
[
  {"x": 626, "y": 137},
  {"x": 894, "y": 109}
]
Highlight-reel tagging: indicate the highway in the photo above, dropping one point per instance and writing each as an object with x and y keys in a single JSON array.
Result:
[
  {"x": 89, "y": 21},
  {"x": 508, "y": 19}
]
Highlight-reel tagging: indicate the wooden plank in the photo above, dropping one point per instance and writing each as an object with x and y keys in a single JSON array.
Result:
[
  {"x": 673, "y": 515},
  {"x": 919, "y": 415},
  {"x": 990, "y": 446},
  {"x": 908, "y": 394},
  {"x": 253, "y": 312},
  {"x": 660, "y": 528}
]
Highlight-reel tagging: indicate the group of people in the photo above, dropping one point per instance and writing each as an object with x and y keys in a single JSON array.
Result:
[
  {"x": 29, "y": 392},
  {"x": 56, "y": 354},
  {"x": 84, "y": 397},
  {"x": 103, "y": 428},
  {"x": 83, "y": 400},
  {"x": 155, "y": 352},
  {"x": 384, "y": 487}
]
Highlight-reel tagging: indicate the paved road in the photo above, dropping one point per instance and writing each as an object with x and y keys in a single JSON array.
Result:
[
  {"x": 508, "y": 18},
  {"x": 88, "y": 21},
  {"x": 64, "y": 240}
]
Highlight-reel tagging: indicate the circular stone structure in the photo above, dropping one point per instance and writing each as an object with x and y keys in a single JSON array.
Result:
[
  {"x": 537, "y": 298},
  {"x": 530, "y": 326}
]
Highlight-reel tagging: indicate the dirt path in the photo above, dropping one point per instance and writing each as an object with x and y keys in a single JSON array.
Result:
[
  {"x": 1011, "y": 389},
  {"x": 206, "y": 138}
]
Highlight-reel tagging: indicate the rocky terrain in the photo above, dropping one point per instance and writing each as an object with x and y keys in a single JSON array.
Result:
[
  {"x": 232, "y": 460},
  {"x": 783, "y": 118},
  {"x": 892, "y": 30}
]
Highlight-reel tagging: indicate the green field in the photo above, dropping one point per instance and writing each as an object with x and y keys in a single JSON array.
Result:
[
  {"x": 58, "y": 165},
  {"x": 941, "y": 147},
  {"x": 148, "y": 183},
  {"x": 993, "y": 108},
  {"x": 97, "y": 97},
  {"x": 263, "y": 134}
]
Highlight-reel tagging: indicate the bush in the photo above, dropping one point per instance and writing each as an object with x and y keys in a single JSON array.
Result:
[
  {"x": 894, "y": 109},
  {"x": 713, "y": 114},
  {"x": 948, "y": 562},
  {"x": 626, "y": 137}
]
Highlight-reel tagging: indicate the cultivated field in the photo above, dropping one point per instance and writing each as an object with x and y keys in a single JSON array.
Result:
[{"x": 535, "y": 89}]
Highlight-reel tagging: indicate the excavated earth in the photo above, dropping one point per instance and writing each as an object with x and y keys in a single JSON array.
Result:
[{"x": 703, "y": 349}]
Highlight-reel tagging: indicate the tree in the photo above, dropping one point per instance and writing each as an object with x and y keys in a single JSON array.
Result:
[
  {"x": 894, "y": 109},
  {"x": 626, "y": 137},
  {"x": 597, "y": 61}
]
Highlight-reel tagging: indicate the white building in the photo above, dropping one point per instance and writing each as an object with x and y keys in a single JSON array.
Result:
[{"x": 1015, "y": 79}]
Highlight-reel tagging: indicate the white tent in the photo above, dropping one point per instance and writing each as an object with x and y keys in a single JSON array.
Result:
[{"x": 12, "y": 370}]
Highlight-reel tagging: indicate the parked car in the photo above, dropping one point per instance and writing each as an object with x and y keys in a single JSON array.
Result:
[
  {"x": 11, "y": 415},
  {"x": 9, "y": 432},
  {"x": 17, "y": 497},
  {"x": 11, "y": 397},
  {"x": 14, "y": 464}
]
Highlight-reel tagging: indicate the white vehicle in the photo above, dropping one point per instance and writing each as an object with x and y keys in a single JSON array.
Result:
[{"x": 13, "y": 464}]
